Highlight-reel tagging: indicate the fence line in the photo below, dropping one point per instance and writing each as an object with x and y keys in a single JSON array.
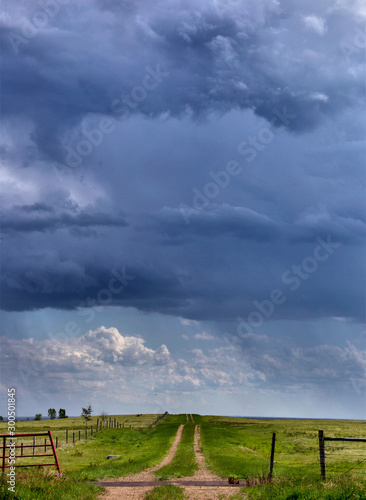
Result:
[
  {"x": 158, "y": 419},
  {"x": 103, "y": 424},
  {"x": 322, "y": 455},
  {"x": 71, "y": 435}
]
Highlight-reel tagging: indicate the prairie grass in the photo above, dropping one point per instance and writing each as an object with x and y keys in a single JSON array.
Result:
[
  {"x": 38, "y": 485},
  {"x": 295, "y": 488},
  {"x": 234, "y": 447},
  {"x": 87, "y": 461},
  {"x": 241, "y": 447},
  {"x": 166, "y": 492},
  {"x": 138, "y": 450},
  {"x": 74, "y": 425}
]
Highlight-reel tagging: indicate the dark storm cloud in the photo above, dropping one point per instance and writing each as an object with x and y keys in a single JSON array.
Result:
[
  {"x": 36, "y": 207},
  {"x": 262, "y": 56},
  {"x": 92, "y": 53},
  {"x": 40, "y": 217},
  {"x": 214, "y": 270},
  {"x": 239, "y": 222},
  {"x": 243, "y": 223},
  {"x": 69, "y": 285}
]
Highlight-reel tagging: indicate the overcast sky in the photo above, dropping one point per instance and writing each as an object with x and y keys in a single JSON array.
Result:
[{"x": 183, "y": 206}]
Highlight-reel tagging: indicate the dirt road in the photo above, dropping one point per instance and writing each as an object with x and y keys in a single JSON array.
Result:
[
  {"x": 133, "y": 493},
  {"x": 192, "y": 492}
]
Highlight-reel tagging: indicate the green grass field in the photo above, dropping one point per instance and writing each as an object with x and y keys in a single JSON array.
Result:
[
  {"x": 232, "y": 447},
  {"x": 291, "y": 488},
  {"x": 241, "y": 447},
  {"x": 74, "y": 425}
]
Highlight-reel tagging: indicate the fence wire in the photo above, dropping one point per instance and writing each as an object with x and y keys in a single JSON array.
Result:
[{"x": 343, "y": 459}]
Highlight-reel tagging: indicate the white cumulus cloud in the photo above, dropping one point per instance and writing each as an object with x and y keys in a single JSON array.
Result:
[{"x": 315, "y": 23}]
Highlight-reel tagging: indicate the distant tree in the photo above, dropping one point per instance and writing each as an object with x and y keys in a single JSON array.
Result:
[
  {"x": 62, "y": 413},
  {"x": 52, "y": 413},
  {"x": 103, "y": 415},
  {"x": 38, "y": 416},
  {"x": 86, "y": 413},
  {"x": 1, "y": 419}
]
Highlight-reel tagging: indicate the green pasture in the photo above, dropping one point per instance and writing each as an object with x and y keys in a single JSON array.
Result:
[
  {"x": 58, "y": 426},
  {"x": 76, "y": 429},
  {"x": 241, "y": 447},
  {"x": 296, "y": 488},
  {"x": 232, "y": 447}
]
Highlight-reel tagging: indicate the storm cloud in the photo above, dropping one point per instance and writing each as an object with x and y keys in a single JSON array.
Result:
[
  {"x": 100, "y": 58},
  {"x": 202, "y": 161}
]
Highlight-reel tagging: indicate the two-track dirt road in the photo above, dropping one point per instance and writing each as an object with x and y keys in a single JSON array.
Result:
[
  {"x": 204, "y": 474},
  {"x": 138, "y": 491}
]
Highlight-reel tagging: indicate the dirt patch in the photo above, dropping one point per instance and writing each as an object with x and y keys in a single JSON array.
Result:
[{"x": 126, "y": 493}]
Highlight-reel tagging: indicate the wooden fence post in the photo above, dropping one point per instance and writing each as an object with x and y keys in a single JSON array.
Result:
[
  {"x": 67, "y": 436},
  {"x": 323, "y": 470},
  {"x": 73, "y": 437},
  {"x": 97, "y": 424},
  {"x": 91, "y": 430},
  {"x": 86, "y": 433},
  {"x": 272, "y": 455},
  {"x": 21, "y": 449},
  {"x": 79, "y": 435},
  {"x": 45, "y": 445},
  {"x": 34, "y": 445}
]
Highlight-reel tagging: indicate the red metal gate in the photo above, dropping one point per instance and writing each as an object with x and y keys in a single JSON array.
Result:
[{"x": 11, "y": 439}]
